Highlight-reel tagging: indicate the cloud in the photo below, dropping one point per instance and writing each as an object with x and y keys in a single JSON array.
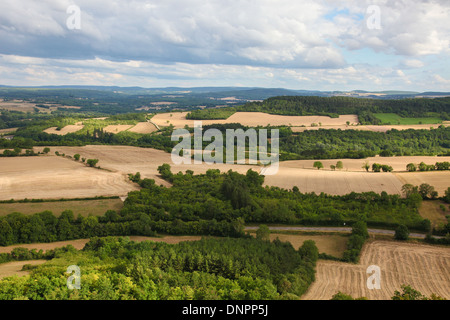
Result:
[
  {"x": 409, "y": 28},
  {"x": 304, "y": 44},
  {"x": 263, "y": 32}
]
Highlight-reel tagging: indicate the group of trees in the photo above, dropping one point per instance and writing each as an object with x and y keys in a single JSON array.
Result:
[
  {"x": 355, "y": 242},
  {"x": 407, "y": 293},
  {"x": 17, "y": 152},
  {"x": 335, "y": 106},
  {"x": 229, "y": 196},
  {"x": 358, "y": 144},
  {"x": 440, "y": 166},
  {"x": 424, "y": 191},
  {"x": 376, "y": 167},
  {"x": 225, "y": 269}
]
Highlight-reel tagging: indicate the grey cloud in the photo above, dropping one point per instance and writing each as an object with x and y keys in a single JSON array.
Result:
[{"x": 232, "y": 32}]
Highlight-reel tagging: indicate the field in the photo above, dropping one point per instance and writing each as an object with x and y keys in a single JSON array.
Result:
[
  {"x": 117, "y": 128},
  {"x": 50, "y": 177},
  {"x": 67, "y": 129},
  {"x": 6, "y": 131},
  {"x": 83, "y": 207},
  {"x": 397, "y": 163},
  {"x": 124, "y": 160},
  {"x": 335, "y": 183},
  {"x": 392, "y": 118},
  {"x": 431, "y": 210},
  {"x": 47, "y": 177},
  {"x": 17, "y": 105},
  {"x": 334, "y": 245},
  {"x": 253, "y": 119},
  {"x": 15, "y": 268},
  {"x": 440, "y": 180},
  {"x": 298, "y": 123},
  {"x": 23, "y": 106},
  {"x": 423, "y": 267},
  {"x": 143, "y": 128},
  {"x": 380, "y": 128}
]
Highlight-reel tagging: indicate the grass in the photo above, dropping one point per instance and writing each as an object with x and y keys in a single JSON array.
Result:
[
  {"x": 395, "y": 119},
  {"x": 431, "y": 210},
  {"x": 331, "y": 244},
  {"x": 83, "y": 207}
]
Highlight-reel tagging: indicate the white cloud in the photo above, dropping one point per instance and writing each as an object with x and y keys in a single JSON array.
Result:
[{"x": 253, "y": 42}]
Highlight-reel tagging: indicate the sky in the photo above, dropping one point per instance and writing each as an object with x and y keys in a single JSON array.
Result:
[{"x": 324, "y": 45}]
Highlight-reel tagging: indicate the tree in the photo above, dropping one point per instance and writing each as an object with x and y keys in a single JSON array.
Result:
[
  {"x": 92, "y": 162},
  {"x": 263, "y": 233},
  {"x": 341, "y": 296},
  {"x": 333, "y": 167},
  {"x": 165, "y": 172},
  {"x": 366, "y": 166},
  {"x": 376, "y": 167},
  {"x": 408, "y": 189},
  {"x": 360, "y": 228},
  {"x": 318, "y": 165},
  {"x": 447, "y": 195},
  {"x": 408, "y": 293},
  {"x": 6, "y": 233},
  {"x": 401, "y": 233},
  {"x": 46, "y": 150},
  {"x": 309, "y": 251},
  {"x": 76, "y": 157},
  {"x": 423, "y": 166},
  {"x": 411, "y": 167},
  {"x": 425, "y": 190},
  {"x": 339, "y": 165}
]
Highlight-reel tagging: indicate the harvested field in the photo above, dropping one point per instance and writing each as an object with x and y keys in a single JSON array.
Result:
[
  {"x": 52, "y": 177},
  {"x": 117, "y": 128},
  {"x": 424, "y": 267},
  {"x": 334, "y": 182},
  {"x": 298, "y": 123},
  {"x": 6, "y": 131},
  {"x": 380, "y": 128},
  {"x": 253, "y": 119},
  {"x": 397, "y": 163},
  {"x": 15, "y": 268},
  {"x": 67, "y": 129},
  {"x": 83, "y": 207},
  {"x": 18, "y": 105},
  {"x": 125, "y": 160},
  {"x": 80, "y": 243},
  {"x": 440, "y": 180},
  {"x": 144, "y": 128}
]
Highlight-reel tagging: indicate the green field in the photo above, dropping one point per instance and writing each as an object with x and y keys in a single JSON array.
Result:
[
  {"x": 83, "y": 207},
  {"x": 393, "y": 119}
]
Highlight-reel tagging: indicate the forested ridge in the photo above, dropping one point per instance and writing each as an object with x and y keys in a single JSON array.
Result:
[{"x": 335, "y": 106}]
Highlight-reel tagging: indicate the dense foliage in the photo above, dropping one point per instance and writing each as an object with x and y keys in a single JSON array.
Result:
[
  {"x": 225, "y": 269},
  {"x": 338, "y": 144},
  {"x": 364, "y": 108},
  {"x": 230, "y": 196}
]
